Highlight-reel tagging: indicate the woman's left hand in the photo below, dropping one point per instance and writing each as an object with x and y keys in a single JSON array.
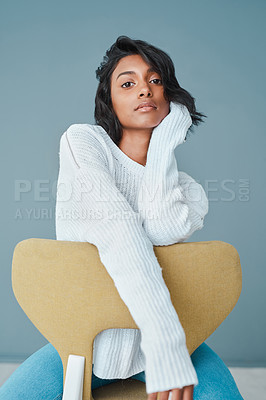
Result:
[{"x": 186, "y": 393}]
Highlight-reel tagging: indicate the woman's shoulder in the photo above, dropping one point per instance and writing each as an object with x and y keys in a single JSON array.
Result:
[
  {"x": 86, "y": 135},
  {"x": 86, "y": 142},
  {"x": 85, "y": 132}
]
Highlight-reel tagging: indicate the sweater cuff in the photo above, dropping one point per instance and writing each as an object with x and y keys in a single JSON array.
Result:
[
  {"x": 196, "y": 219},
  {"x": 171, "y": 131},
  {"x": 168, "y": 366}
]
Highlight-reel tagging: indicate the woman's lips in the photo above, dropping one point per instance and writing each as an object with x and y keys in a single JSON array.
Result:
[{"x": 146, "y": 108}]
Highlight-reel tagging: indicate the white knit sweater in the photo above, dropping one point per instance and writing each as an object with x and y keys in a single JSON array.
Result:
[{"x": 124, "y": 208}]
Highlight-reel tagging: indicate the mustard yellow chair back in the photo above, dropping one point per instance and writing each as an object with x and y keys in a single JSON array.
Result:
[{"x": 67, "y": 293}]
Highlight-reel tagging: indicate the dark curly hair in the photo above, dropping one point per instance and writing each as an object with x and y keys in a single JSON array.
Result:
[{"x": 161, "y": 62}]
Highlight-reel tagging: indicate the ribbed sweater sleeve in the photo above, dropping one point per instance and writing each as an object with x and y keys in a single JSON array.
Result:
[
  {"x": 128, "y": 256},
  {"x": 172, "y": 207}
]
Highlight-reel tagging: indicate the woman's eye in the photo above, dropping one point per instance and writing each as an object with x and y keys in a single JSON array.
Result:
[
  {"x": 156, "y": 79},
  {"x": 125, "y": 84}
]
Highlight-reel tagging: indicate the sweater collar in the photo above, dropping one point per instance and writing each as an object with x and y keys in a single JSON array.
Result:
[{"x": 124, "y": 159}]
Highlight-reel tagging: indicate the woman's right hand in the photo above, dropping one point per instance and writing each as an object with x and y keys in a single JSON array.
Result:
[{"x": 186, "y": 393}]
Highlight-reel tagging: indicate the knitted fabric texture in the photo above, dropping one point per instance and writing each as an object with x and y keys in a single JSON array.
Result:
[{"x": 124, "y": 208}]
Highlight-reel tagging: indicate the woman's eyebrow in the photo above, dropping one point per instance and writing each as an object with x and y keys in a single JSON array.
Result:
[{"x": 133, "y": 72}]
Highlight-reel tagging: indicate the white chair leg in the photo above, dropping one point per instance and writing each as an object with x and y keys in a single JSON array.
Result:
[{"x": 73, "y": 387}]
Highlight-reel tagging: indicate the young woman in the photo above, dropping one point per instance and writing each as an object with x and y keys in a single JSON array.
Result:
[{"x": 127, "y": 195}]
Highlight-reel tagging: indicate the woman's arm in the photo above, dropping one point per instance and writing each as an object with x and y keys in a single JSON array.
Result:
[
  {"x": 127, "y": 253},
  {"x": 172, "y": 204}
]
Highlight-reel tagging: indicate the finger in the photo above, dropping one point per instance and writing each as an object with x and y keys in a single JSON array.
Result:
[
  {"x": 163, "y": 395},
  {"x": 188, "y": 392},
  {"x": 152, "y": 396},
  {"x": 177, "y": 394}
]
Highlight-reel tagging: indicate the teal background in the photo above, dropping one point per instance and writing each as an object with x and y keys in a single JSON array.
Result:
[{"x": 49, "y": 53}]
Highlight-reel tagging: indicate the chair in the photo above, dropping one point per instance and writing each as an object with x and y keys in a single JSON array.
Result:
[{"x": 69, "y": 296}]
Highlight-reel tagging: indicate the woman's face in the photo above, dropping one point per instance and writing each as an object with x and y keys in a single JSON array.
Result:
[{"x": 129, "y": 89}]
